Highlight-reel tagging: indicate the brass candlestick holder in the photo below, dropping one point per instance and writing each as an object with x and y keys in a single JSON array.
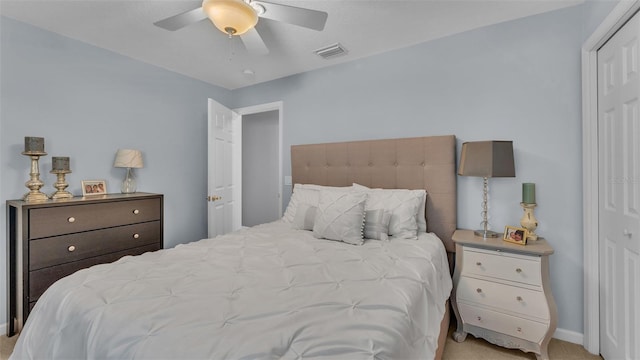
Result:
[
  {"x": 529, "y": 221},
  {"x": 34, "y": 184},
  {"x": 61, "y": 185}
]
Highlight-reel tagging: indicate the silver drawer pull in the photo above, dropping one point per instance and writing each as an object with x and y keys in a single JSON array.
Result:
[
  {"x": 71, "y": 248},
  {"x": 135, "y": 236},
  {"x": 518, "y": 270},
  {"x": 478, "y": 290},
  {"x": 479, "y": 263},
  {"x": 136, "y": 212},
  {"x": 71, "y": 219},
  {"x": 519, "y": 298}
]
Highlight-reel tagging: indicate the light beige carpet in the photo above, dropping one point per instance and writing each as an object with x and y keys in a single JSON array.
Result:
[
  {"x": 470, "y": 349},
  {"x": 479, "y": 349},
  {"x": 6, "y": 346}
]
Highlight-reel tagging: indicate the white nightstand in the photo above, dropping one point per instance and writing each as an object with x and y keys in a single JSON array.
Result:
[{"x": 502, "y": 292}]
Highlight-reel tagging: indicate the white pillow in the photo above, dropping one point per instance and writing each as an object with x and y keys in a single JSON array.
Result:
[
  {"x": 305, "y": 217},
  {"x": 307, "y": 194},
  {"x": 421, "y": 219},
  {"x": 404, "y": 206},
  {"x": 376, "y": 224},
  {"x": 341, "y": 216}
]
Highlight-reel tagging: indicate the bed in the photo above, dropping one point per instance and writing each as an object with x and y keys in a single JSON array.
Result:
[{"x": 273, "y": 291}]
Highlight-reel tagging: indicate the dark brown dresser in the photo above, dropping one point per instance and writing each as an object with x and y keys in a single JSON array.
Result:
[{"x": 50, "y": 240}]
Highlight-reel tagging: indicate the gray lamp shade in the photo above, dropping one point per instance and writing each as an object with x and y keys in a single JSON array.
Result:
[
  {"x": 127, "y": 158},
  {"x": 487, "y": 159}
]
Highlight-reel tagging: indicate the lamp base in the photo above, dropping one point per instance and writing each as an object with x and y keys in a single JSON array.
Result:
[
  {"x": 485, "y": 234},
  {"x": 129, "y": 183}
]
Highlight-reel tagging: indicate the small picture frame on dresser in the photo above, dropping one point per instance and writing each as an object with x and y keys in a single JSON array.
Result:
[
  {"x": 94, "y": 187},
  {"x": 515, "y": 235}
]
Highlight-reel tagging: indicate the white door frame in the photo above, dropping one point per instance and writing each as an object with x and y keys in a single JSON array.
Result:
[
  {"x": 278, "y": 105},
  {"x": 590, "y": 185}
]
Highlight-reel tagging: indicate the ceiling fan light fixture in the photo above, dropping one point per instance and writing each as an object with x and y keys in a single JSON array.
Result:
[{"x": 232, "y": 17}]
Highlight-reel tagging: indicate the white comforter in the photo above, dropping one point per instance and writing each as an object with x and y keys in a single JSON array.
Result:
[{"x": 265, "y": 292}]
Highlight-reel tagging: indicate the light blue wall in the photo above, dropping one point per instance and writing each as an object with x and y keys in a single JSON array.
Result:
[
  {"x": 518, "y": 80},
  {"x": 88, "y": 102}
]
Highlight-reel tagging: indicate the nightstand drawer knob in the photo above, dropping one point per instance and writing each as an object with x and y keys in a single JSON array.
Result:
[
  {"x": 71, "y": 248},
  {"x": 135, "y": 236},
  {"x": 479, "y": 263},
  {"x": 479, "y": 318},
  {"x": 519, "y": 298},
  {"x": 71, "y": 219},
  {"x": 519, "y": 329},
  {"x": 136, "y": 212},
  {"x": 518, "y": 270},
  {"x": 478, "y": 290}
]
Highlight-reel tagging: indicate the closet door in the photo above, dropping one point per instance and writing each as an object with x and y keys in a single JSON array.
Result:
[{"x": 619, "y": 193}]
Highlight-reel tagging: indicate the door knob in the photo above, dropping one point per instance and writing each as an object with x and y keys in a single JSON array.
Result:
[
  {"x": 626, "y": 232},
  {"x": 214, "y": 198}
]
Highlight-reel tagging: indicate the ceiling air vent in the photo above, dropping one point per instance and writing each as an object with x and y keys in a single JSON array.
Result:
[{"x": 331, "y": 51}]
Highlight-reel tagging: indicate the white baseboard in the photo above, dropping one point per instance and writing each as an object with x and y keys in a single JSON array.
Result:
[
  {"x": 4, "y": 326},
  {"x": 569, "y": 336}
]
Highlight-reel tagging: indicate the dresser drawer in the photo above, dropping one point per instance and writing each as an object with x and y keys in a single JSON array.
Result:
[
  {"x": 41, "y": 279},
  {"x": 62, "y": 220},
  {"x": 507, "y": 266},
  {"x": 511, "y": 298},
  {"x": 506, "y": 324},
  {"x": 62, "y": 249}
]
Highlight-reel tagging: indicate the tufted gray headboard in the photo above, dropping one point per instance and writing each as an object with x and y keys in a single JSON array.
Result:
[{"x": 412, "y": 163}]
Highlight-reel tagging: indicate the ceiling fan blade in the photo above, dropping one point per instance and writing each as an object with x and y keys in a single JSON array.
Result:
[
  {"x": 179, "y": 21},
  {"x": 312, "y": 19},
  {"x": 254, "y": 43}
]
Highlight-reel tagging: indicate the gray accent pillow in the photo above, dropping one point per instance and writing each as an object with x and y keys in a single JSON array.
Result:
[
  {"x": 376, "y": 224},
  {"x": 305, "y": 217},
  {"x": 341, "y": 217}
]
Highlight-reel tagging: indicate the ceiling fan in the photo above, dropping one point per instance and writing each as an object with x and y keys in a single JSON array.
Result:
[{"x": 239, "y": 18}]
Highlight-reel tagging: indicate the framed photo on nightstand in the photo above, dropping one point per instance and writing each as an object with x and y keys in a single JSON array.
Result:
[{"x": 515, "y": 235}]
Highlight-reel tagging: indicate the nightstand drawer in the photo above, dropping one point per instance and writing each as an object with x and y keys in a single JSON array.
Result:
[
  {"x": 507, "y": 266},
  {"x": 62, "y": 220},
  {"x": 500, "y": 296},
  {"x": 503, "y": 323},
  {"x": 67, "y": 248}
]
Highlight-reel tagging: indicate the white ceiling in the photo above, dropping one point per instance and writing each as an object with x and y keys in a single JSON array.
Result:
[{"x": 364, "y": 27}]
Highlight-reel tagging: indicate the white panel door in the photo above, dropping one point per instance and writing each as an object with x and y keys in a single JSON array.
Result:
[
  {"x": 224, "y": 170},
  {"x": 619, "y": 193}
]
